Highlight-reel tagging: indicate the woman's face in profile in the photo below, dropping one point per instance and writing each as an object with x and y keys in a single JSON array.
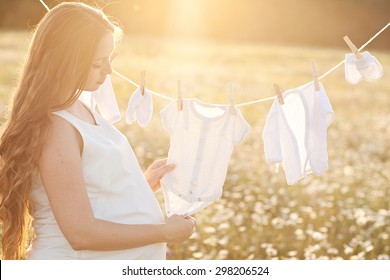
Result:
[{"x": 101, "y": 63}]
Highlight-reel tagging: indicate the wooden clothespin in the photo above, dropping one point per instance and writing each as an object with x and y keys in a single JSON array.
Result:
[
  {"x": 179, "y": 96},
  {"x": 279, "y": 94},
  {"x": 353, "y": 48},
  {"x": 315, "y": 74},
  {"x": 142, "y": 83},
  {"x": 231, "y": 99}
]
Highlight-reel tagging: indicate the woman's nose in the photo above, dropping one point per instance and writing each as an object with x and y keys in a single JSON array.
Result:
[{"x": 108, "y": 68}]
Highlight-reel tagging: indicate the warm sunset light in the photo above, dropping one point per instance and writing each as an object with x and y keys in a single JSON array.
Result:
[
  {"x": 314, "y": 185},
  {"x": 186, "y": 18}
]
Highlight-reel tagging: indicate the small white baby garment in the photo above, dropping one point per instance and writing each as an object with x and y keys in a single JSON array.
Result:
[
  {"x": 295, "y": 134},
  {"x": 202, "y": 138},
  {"x": 366, "y": 68},
  {"x": 140, "y": 108},
  {"x": 104, "y": 98}
]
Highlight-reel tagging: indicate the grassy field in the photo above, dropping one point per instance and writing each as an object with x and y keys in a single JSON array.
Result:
[{"x": 344, "y": 214}]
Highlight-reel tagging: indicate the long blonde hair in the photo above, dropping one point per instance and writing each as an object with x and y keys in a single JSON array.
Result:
[{"x": 53, "y": 76}]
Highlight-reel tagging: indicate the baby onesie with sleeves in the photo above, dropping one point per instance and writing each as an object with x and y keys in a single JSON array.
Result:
[
  {"x": 366, "y": 68},
  {"x": 202, "y": 138},
  {"x": 104, "y": 98},
  {"x": 140, "y": 108},
  {"x": 295, "y": 134}
]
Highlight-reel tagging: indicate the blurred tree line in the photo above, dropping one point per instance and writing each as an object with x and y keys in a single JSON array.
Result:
[{"x": 314, "y": 22}]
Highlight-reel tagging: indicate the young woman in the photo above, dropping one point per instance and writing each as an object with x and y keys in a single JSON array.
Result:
[{"x": 64, "y": 167}]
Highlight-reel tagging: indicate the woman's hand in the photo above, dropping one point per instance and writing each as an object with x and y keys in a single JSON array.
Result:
[
  {"x": 178, "y": 228},
  {"x": 155, "y": 172}
]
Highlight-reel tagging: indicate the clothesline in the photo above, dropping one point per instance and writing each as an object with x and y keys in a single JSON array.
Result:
[
  {"x": 137, "y": 85},
  {"x": 254, "y": 101},
  {"x": 360, "y": 49},
  {"x": 267, "y": 98}
]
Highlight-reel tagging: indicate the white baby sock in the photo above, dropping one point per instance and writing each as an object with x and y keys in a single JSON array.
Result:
[
  {"x": 140, "y": 108},
  {"x": 366, "y": 68}
]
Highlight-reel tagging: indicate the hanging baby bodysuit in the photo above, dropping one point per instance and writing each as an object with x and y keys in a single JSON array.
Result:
[
  {"x": 140, "y": 108},
  {"x": 104, "y": 98},
  {"x": 365, "y": 68},
  {"x": 295, "y": 134},
  {"x": 202, "y": 138}
]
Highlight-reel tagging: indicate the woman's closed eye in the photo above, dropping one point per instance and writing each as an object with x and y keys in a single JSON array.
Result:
[
  {"x": 96, "y": 66},
  {"x": 101, "y": 62}
]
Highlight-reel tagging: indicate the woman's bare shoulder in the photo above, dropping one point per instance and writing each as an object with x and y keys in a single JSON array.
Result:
[{"x": 63, "y": 134}]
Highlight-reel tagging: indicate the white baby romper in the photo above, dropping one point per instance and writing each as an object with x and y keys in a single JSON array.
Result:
[
  {"x": 295, "y": 134},
  {"x": 117, "y": 190},
  {"x": 202, "y": 138}
]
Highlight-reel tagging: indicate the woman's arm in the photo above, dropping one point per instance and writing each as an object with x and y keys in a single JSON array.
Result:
[{"x": 61, "y": 171}]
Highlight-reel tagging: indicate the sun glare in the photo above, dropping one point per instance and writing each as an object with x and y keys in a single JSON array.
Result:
[{"x": 185, "y": 18}]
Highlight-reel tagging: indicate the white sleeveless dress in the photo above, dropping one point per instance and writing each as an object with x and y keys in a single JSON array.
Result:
[{"x": 117, "y": 190}]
